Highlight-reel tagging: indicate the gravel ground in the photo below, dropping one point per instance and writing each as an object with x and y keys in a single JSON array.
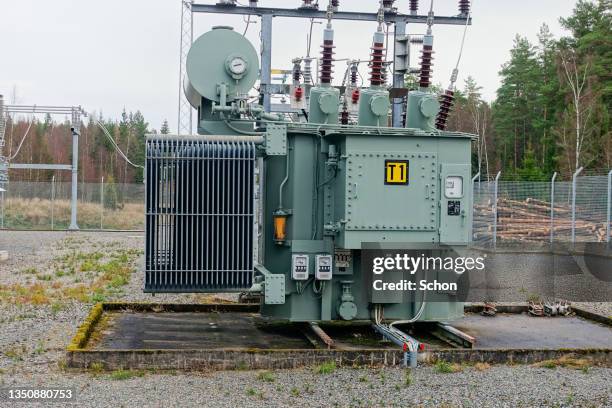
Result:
[{"x": 33, "y": 338}]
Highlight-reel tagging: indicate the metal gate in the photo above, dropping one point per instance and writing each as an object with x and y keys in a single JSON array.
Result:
[{"x": 199, "y": 214}]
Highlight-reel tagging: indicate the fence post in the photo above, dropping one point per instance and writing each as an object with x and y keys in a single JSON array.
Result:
[
  {"x": 609, "y": 218},
  {"x": 574, "y": 182},
  {"x": 101, "y": 201},
  {"x": 477, "y": 176},
  {"x": 52, "y": 202},
  {"x": 552, "y": 208},
  {"x": 495, "y": 193}
]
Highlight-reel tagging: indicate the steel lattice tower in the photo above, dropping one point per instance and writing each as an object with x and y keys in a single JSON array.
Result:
[{"x": 185, "y": 111}]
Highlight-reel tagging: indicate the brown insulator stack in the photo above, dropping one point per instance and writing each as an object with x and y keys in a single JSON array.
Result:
[
  {"x": 377, "y": 75},
  {"x": 414, "y": 6},
  {"x": 327, "y": 58},
  {"x": 353, "y": 77},
  {"x": 335, "y": 3},
  {"x": 344, "y": 116},
  {"x": 447, "y": 99},
  {"x": 464, "y": 7},
  {"x": 426, "y": 65}
]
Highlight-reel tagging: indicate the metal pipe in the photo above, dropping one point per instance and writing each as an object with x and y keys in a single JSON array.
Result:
[
  {"x": 574, "y": 183},
  {"x": 496, "y": 191},
  {"x": 552, "y": 208}
]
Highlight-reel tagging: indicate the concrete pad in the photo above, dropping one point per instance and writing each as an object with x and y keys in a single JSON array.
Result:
[{"x": 521, "y": 331}]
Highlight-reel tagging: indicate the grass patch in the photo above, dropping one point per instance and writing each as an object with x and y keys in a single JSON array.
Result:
[
  {"x": 44, "y": 277},
  {"x": 121, "y": 375},
  {"x": 482, "y": 366},
  {"x": 251, "y": 392},
  {"x": 16, "y": 353},
  {"x": 567, "y": 361},
  {"x": 444, "y": 367},
  {"x": 295, "y": 392},
  {"x": 408, "y": 377},
  {"x": 96, "y": 368},
  {"x": 326, "y": 368},
  {"x": 266, "y": 376}
]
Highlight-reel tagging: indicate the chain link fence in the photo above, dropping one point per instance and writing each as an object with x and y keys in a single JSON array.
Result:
[
  {"x": 46, "y": 206},
  {"x": 535, "y": 213},
  {"x": 541, "y": 213}
]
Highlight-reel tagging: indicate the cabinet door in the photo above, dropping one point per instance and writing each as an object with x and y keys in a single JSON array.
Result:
[{"x": 455, "y": 203}]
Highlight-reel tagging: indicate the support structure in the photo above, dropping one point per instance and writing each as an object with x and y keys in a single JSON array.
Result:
[
  {"x": 402, "y": 57},
  {"x": 185, "y": 111},
  {"x": 75, "y": 113}
]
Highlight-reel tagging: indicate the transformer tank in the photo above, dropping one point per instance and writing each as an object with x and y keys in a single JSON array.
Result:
[{"x": 284, "y": 208}]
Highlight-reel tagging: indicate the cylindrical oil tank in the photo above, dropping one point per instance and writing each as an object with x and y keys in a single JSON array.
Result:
[
  {"x": 324, "y": 105},
  {"x": 374, "y": 107},
  {"x": 220, "y": 56},
  {"x": 422, "y": 110}
]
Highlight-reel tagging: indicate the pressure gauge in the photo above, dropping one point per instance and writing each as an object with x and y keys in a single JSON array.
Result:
[
  {"x": 454, "y": 187},
  {"x": 237, "y": 66}
]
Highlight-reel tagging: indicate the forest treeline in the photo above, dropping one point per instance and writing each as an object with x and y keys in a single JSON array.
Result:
[
  {"x": 552, "y": 110},
  {"x": 551, "y": 113}
]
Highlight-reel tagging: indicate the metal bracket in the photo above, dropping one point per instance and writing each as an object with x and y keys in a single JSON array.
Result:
[
  {"x": 276, "y": 140},
  {"x": 274, "y": 286}
]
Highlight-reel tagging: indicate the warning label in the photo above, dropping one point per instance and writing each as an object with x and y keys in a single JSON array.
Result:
[{"x": 396, "y": 171}]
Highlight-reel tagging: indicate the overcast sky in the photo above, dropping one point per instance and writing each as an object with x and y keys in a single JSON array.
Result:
[{"x": 111, "y": 54}]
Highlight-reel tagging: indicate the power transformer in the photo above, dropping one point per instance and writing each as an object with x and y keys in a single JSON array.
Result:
[{"x": 282, "y": 205}]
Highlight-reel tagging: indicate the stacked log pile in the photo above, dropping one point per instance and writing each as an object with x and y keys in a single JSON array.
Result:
[{"x": 529, "y": 221}]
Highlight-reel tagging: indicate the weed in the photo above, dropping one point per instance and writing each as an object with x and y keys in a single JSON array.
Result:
[
  {"x": 251, "y": 392},
  {"x": 326, "y": 368},
  {"x": 62, "y": 365},
  {"x": 567, "y": 361},
  {"x": 363, "y": 378},
  {"x": 59, "y": 273},
  {"x": 445, "y": 367},
  {"x": 30, "y": 271},
  {"x": 15, "y": 353},
  {"x": 96, "y": 367},
  {"x": 44, "y": 277},
  {"x": 40, "y": 347},
  {"x": 408, "y": 377},
  {"x": 482, "y": 366},
  {"x": 121, "y": 375},
  {"x": 266, "y": 376},
  {"x": 295, "y": 392}
]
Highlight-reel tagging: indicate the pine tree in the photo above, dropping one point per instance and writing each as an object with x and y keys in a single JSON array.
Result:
[{"x": 165, "y": 129}]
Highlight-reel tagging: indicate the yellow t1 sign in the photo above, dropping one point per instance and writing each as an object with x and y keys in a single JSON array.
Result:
[{"x": 396, "y": 171}]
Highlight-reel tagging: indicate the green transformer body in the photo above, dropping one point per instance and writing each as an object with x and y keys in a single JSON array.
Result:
[
  {"x": 337, "y": 198},
  {"x": 283, "y": 208}
]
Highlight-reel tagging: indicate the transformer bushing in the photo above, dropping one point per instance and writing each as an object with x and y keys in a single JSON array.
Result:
[
  {"x": 414, "y": 7},
  {"x": 324, "y": 99},
  {"x": 446, "y": 104},
  {"x": 426, "y": 62},
  {"x": 374, "y": 101},
  {"x": 464, "y": 7}
]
